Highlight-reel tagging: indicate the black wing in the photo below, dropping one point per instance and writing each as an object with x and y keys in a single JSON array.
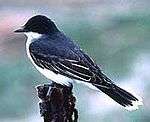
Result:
[{"x": 64, "y": 57}]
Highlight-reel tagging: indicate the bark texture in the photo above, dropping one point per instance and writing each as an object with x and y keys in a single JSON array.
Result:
[{"x": 57, "y": 103}]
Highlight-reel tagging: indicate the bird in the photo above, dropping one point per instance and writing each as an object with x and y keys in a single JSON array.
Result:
[{"x": 60, "y": 59}]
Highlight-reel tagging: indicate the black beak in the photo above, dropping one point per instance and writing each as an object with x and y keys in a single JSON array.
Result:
[{"x": 21, "y": 30}]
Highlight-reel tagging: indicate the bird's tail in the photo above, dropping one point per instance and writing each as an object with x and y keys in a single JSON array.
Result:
[{"x": 119, "y": 95}]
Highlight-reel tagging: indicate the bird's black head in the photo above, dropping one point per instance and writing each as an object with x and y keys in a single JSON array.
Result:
[{"x": 39, "y": 24}]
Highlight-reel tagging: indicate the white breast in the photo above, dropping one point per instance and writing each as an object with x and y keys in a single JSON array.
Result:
[{"x": 47, "y": 73}]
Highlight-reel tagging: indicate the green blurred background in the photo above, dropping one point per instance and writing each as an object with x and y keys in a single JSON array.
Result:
[{"x": 116, "y": 33}]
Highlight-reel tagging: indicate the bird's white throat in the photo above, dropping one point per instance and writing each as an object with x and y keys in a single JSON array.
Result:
[{"x": 32, "y": 35}]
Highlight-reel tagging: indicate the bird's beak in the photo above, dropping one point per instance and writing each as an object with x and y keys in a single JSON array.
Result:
[{"x": 20, "y": 30}]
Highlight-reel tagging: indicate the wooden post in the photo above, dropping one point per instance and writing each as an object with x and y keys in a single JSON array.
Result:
[{"x": 57, "y": 103}]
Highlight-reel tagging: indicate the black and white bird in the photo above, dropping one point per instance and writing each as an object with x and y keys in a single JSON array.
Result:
[{"x": 59, "y": 59}]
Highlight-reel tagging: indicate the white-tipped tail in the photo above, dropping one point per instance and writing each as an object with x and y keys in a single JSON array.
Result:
[
  {"x": 135, "y": 104},
  {"x": 124, "y": 98}
]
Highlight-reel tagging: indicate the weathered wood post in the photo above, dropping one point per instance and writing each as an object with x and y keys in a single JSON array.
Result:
[{"x": 57, "y": 103}]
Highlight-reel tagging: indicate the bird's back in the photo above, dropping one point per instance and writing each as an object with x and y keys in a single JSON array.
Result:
[{"x": 55, "y": 45}]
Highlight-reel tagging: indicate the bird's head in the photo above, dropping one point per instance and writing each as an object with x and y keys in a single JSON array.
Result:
[{"x": 39, "y": 24}]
